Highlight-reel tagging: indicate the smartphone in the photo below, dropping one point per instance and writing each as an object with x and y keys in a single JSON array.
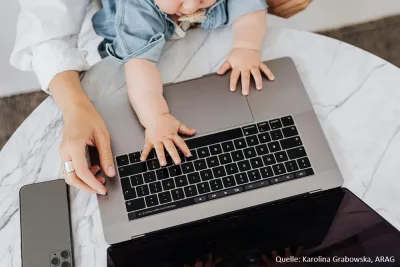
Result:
[{"x": 45, "y": 225}]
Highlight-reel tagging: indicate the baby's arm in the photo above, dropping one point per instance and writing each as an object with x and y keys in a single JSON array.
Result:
[
  {"x": 244, "y": 59},
  {"x": 145, "y": 91}
]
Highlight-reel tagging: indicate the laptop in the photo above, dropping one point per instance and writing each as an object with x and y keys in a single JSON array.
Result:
[{"x": 247, "y": 151}]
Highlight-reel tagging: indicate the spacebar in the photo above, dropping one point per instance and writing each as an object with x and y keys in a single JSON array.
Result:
[
  {"x": 162, "y": 208},
  {"x": 214, "y": 138}
]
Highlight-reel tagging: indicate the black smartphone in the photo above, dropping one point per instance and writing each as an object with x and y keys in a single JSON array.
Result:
[{"x": 45, "y": 225}]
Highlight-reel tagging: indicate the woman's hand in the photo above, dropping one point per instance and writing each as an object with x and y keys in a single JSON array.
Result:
[
  {"x": 287, "y": 8},
  {"x": 244, "y": 63},
  {"x": 163, "y": 133}
]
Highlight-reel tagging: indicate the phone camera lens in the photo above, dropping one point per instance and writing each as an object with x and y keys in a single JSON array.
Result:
[
  {"x": 66, "y": 264},
  {"x": 65, "y": 254},
  {"x": 55, "y": 261}
]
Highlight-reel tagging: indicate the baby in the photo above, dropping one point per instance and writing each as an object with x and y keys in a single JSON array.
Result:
[{"x": 135, "y": 32}]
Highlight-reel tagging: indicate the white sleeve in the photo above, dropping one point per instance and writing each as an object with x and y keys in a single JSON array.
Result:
[{"x": 47, "y": 38}]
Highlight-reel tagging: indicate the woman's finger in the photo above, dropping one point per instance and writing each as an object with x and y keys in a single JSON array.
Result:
[
  {"x": 102, "y": 141},
  {"x": 73, "y": 180},
  {"x": 257, "y": 78},
  {"x": 186, "y": 130},
  {"x": 146, "y": 150},
  {"x": 235, "y": 75},
  {"x": 267, "y": 72},
  {"x": 170, "y": 147},
  {"x": 224, "y": 68},
  {"x": 159, "y": 147},
  {"x": 179, "y": 142},
  {"x": 245, "y": 76}
]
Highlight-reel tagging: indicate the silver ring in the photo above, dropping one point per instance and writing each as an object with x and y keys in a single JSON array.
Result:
[{"x": 68, "y": 167}]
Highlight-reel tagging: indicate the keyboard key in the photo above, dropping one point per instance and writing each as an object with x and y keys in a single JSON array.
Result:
[
  {"x": 187, "y": 167},
  {"x": 228, "y": 181},
  {"x": 215, "y": 149},
  {"x": 279, "y": 169},
  {"x": 152, "y": 154},
  {"x": 132, "y": 169},
  {"x": 266, "y": 172},
  {"x": 250, "y": 152},
  {"x": 135, "y": 204},
  {"x": 237, "y": 155},
  {"x": 203, "y": 152},
  {"x": 136, "y": 180},
  {"x": 291, "y": 142},
  {"x": 241, "y": 178},
  {"x": 231, "y": 168},
  {"x": 190, "y": 191},
  {"x": 134, "y": 157},
  {"x": 291, "y": 166},
  {"x": 244, "y": 165},
  {"x": 168, "y": 184},
  {"x": 155, "y": 187},
  {"x": 194, "y": 178},
  {"x": 274, "y": 147},
  {"x": 256, "y": 163},
  {"x": 212, "y": 162},
  {"x": 214, "y": 138},
  {"x": 281, "y": 156},
  {"x": 225, "y": 193},
  {"x": 128, "y": 191},
  {"x": 200, "y": 199},
  {"x": 269, "y": 160},
  {"x": 262, "y": 149},
  {"x": 287, "y": 121},
  {"x": 252, "y": 140},
  {"x": 276, "y": 134},
  {"x": 216, "y": 184},
  {"x": 256, "y": 185},
  {"x": 149, "y": 177},
  {"x": 169, "y": 160},
  {"x": 194, "y": 155},
  {"x": 122, "y": 160},
  {"x": 275, "y": 124},
  {"x": 165, "y": 197},
  {"x": 240, "y": 143},
  {"x": 181, "y": 181},
  {"x": 151, "y": 201},
  {"x": 162, "y": 174},
  {"x": 200, "y": 164},
  {"x": 297, "y": 152},
  {"x": 153, "y": 164},
  {"x": 290, "y": 131},
  {"x": 227, "y": 146},
  {"x": 225, "y": 158},
  {"x": 263, "y": 127},
  {"x": 282, "y": 178},
  {"x": 182, "y": 157},
  {"x": 142, "y": 190},
  {"x": 177, "y": 194},
  {"x": 303, "y": 173},
  {"x": 206, "y": 175},
  {"x": 254, "y": 175},
  {"x": 304, "y": 163},
  {"x": 264, "y": 137},
  {"x": 250, "y": 129},
  {"x": 174, "y": 170},
  {"x": 203, "y": 188},
  {"x": 219, "y": 172}
]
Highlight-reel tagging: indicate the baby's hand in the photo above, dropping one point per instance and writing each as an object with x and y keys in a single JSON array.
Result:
[
  {"x": 243, "y": 62},
  {"x": 163, "y": 132}
]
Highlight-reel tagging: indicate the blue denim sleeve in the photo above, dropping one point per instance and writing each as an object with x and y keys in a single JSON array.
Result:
[
  {"x": 238, "y": 8},
  {"x": 140, "y": 29}
]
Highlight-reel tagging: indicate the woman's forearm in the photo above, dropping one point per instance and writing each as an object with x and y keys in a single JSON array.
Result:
[
  {"x": 145, "y": 90},
  {"x": 249, "y": 30}
]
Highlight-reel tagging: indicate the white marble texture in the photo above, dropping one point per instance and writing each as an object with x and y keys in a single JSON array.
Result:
[{"x": 355, "y": 94}]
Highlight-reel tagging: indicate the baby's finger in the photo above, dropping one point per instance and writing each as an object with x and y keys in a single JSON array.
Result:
[
  {"x": 186, "y": 130},
  {"x": 170, "y": 147},
  {"x": 267, "y": 72},
  {"x": 182, "y": 145},
  {"x": 95, "y": 169},
  {"x": 224, "y": 68},
  {"x": 245, "y": 76},
  {"x": 234, "y": 79},
  {"x": 146, "y": 150},
  {"x": 159, "y": 147},
  {"x": 257, "y": 78}
]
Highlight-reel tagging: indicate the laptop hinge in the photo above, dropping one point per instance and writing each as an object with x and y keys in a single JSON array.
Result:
[
  {"x": 315, "y": 191},
  {"x": 137, "y": 236}
]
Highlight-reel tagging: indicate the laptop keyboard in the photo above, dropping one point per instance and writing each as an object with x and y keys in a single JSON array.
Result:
[{"x": 222, "y": 164}]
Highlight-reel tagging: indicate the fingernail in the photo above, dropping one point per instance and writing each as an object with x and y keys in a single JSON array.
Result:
[
  {"x": 189, "y": 155},
  {"x": 111, "y": 171},
  {"x": 102, "y": 180},
  {"x": 102, "y": 192},
  {"x": 272, "y": 78}
]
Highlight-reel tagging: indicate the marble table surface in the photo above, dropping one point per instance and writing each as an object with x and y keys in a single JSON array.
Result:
[{"x": 356, "y": 96}]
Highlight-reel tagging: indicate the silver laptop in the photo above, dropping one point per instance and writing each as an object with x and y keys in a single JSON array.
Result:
[{"x": 247, "y": 151}]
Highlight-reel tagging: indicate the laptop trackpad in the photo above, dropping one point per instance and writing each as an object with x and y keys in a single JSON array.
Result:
[{"x": 207, "y": 105}]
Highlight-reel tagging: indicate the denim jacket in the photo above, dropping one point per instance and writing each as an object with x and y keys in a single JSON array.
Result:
[{"x": 139, "y": 29}]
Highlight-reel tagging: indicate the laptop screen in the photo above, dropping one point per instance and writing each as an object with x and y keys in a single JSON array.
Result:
[{"x": 331, "y": 228}]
